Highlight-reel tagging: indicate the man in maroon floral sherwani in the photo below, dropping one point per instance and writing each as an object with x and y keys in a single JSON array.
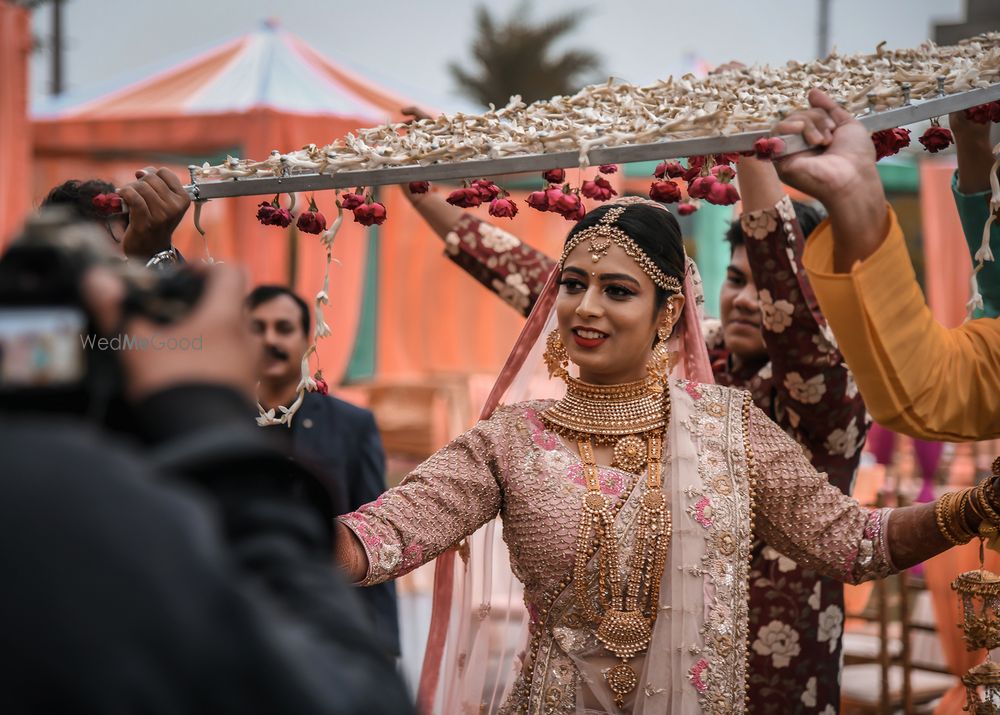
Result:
[{"x": 772, "y": 341}]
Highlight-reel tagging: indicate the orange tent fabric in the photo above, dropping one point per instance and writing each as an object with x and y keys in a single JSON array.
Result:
[
  {"x": 15, "y": 130},
  {"x": 250, "y": 95},
  {"x": 946, "y": 256},
  {"x": 433, "y": 318}
]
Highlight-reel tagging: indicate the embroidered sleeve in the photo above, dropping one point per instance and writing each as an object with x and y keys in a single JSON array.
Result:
[
  {"x": 799, "y": 513},
  {"x": 815, "y": 397},
  {"x": 438, "y": 504},
  {"x": 499, "y": 260}
]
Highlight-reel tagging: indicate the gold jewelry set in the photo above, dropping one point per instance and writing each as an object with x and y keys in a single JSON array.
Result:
[
  {"x": 952, "y": 509},
  {"x": 633, "y": 417}
]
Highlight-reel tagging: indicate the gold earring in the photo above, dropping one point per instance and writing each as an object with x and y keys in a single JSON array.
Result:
[
  {"x": 662, "y": 361},
  {"x": 555, "y": 356}
]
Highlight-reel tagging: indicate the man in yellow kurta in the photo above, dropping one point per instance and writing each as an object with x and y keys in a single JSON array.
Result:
[{"x": 916, "y": 376}]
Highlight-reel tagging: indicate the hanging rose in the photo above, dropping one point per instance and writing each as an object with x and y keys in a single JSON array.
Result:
[
  {"x": 767, "y": 148},
  {"x": 699, "y": 187},
  {"x": 282, "y": 217},
  {"x": 599, "y": 189},
  {"x": 728, "y": 158},
  {"x": 570, "y": 207},
  {"x": 554, "y": 176},
  {"x": 271, "y": 214},
  {"x": 936, "y": 138},
  {"x": 467, "y": 197},
  {"x": 608, "y": 168},
  {"x": 311, "y": 221},
  {"x": 686, "y": 209},
  {"x": 889, "y": 141},
  {"x": 107, "y": 204},
  {"x": 538, "y": 201},
  {"x": 370, "y": 214},
  {"x": 695, "y": 166},
  {"x": 723, "y": 172},
  {"x": 984, "y": 113},
  {"x": 665, "y": 190},
  {"x": 321, "y": 386},
  {"x": 669, "y": 169},
  {"x": 503, "y": 208},
  {"x": 721, "y": 191},
  {"x": 265, "y": 210},
  {"x": 487, "y": 189},
  {"x": 419, "y": 187},
  {"x": 351, "y": 201},
  {"x": 545, "y": 200}
]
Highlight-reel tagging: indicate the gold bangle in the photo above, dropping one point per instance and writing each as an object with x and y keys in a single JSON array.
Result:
[
  {"x": 976, "y": 508},
  {"x": 961, "y": 515},
  {"x": 984, "y": 502},
  {"x": 941, "y": 508}
]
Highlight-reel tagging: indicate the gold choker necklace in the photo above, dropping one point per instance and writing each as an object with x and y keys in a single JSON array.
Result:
[
  {"x": 633, "y": 417},
  {"x": 610, "y": 414}
]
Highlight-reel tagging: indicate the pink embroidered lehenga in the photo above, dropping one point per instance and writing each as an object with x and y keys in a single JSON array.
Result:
[
  {"x": 512, "y": 465},
  {"x": 729, "y": 474}
]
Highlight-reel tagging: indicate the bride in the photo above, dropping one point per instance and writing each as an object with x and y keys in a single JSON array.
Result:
[{"x": 629, "y": 505}]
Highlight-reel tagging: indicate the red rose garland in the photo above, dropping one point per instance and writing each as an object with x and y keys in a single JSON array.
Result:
[
  {"x": 889, "y": 141},
  {"x": 311, "y": 221}
]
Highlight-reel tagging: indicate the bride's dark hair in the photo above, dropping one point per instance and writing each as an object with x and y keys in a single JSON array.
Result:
[{"x": 656, "y": 232}]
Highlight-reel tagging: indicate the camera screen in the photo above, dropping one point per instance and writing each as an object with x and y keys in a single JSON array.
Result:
[{"x": 41, "y": 347}]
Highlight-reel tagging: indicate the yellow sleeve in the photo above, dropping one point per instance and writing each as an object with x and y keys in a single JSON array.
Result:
[{"x": 916, "y": 376}]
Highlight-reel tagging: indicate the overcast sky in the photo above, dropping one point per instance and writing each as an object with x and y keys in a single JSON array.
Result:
[{"x": 407, "y": 44}]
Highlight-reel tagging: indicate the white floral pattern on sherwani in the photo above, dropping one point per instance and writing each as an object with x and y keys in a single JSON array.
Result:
[
  {"x": 778, "y": 640},
  {"x": 496, "y": 239},
  {"x": 844, "y": 442},
  {"x": 831, "y": 623},
  {"x": 809, "y": 695},
  {"x": 808, "y": 391},
  {"x": 776, "y": 314}
]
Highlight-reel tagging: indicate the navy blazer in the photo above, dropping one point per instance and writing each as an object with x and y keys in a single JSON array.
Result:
[{"x": 341, "y": 444}]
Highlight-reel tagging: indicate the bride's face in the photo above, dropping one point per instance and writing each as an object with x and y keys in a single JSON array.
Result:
[{"x": 607, "y": 315}]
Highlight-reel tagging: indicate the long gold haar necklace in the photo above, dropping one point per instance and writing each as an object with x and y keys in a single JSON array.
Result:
[{"x": 633, "y": 417}]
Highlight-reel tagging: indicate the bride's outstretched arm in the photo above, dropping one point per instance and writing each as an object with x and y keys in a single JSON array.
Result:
[
  {"x": 438, "y": 504},
  {"x": 801, "y": 515}
]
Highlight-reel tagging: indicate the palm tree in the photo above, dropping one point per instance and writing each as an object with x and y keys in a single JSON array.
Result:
[{"x": 515, "y": 57}]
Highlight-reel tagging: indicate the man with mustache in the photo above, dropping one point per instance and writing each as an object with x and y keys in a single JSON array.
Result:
[
  {"x": 338, "y": 441},
  {"x": 773, "y": 341}
]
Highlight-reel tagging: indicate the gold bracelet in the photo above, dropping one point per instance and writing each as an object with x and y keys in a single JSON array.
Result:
[
  {"x": 984, "y": 502},
  {"x": 976, "y": 508},
  {"x": 962, "y": 523},
  {"x": 983, "y": 491},
  {"x": 940, "y": 509}
]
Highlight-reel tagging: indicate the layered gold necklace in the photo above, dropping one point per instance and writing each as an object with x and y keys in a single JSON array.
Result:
[{"x": 633, "y": 417}]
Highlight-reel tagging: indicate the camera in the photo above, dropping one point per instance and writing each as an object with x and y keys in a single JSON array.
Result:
[{"x": 52, "y": 356}]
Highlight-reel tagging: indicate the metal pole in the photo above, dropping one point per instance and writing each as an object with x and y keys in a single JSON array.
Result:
[
  {"x": 56, "y": 41},
  {"x": 823, "y": 31},
  {"x": 460, "y": 169}
]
